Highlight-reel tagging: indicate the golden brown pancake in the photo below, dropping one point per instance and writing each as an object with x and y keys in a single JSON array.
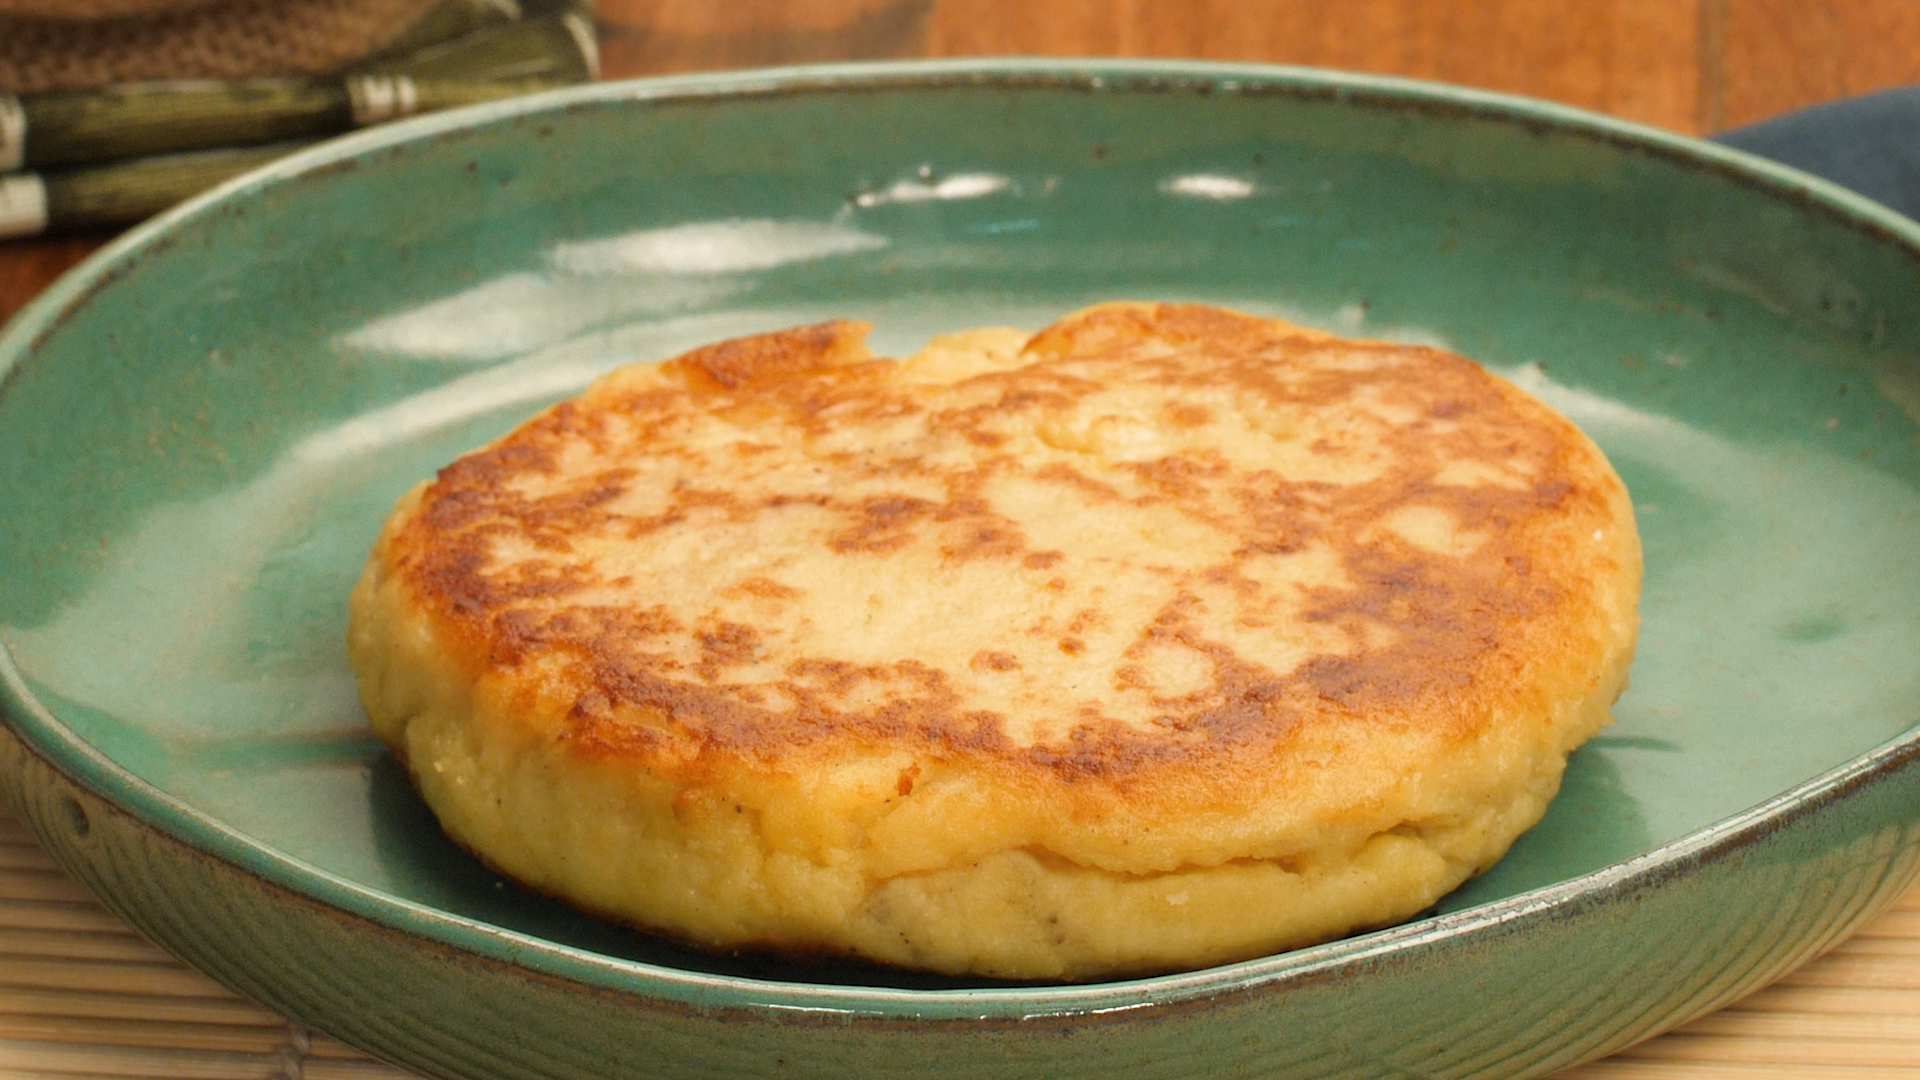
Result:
[{"x": 1164, "y": 637}]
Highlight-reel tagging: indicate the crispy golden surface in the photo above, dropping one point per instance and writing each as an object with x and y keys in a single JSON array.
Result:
[{"x": 1165, "y": 636}]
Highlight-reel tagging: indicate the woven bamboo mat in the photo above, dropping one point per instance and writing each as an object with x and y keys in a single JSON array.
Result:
[{"x": 81, "y": 995}]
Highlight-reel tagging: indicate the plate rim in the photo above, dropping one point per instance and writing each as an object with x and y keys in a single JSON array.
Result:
[{"x": 43, "y": 734}]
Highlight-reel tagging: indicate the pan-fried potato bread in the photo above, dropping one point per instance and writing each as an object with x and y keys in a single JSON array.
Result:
[{"x": 1164, "y": 637}]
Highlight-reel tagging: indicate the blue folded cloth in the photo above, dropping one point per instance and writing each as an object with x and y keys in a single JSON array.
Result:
[{"x": 1870, "y": 144}]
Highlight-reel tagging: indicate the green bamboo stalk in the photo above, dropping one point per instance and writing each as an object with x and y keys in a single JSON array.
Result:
[
  {"x": 13, "y": 133},
  {"x": 142, "y": 119},
  {"x": 68, "y": 127},
  {"x": 558, "y": 48},
  {"x": 125, "y": 192},
  {"x": 539, "y": 9},
  {"x": 72, "y": 127},
  {"x": 103, "y": 196},
  {"x": 451, "y": 19}
]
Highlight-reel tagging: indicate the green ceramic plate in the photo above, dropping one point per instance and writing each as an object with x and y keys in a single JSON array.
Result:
[{"x": 203, "y": 426}]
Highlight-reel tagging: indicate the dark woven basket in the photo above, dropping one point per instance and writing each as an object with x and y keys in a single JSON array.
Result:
[{"x": 64, "y": 44}]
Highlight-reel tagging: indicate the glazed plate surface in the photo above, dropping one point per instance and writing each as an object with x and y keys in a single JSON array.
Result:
[{"x": 204, "y": 426}]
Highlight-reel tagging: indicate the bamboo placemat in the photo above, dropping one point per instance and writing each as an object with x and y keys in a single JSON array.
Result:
[{"x": 82, "y": 995}]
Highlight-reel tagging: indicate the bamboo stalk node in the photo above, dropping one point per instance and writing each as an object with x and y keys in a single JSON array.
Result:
[
  {"x": 23, "y": 205},
  {"x": 375, "y": 98},
  {"x": 583, "y": 34},
  {"x": 13, "y": 133}
]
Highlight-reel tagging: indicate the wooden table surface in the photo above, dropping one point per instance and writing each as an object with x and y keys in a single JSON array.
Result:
[{"x": 81, "y": 996}]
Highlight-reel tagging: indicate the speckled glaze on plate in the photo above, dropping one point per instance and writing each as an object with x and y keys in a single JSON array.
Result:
[{"x": 204, "y": 425}]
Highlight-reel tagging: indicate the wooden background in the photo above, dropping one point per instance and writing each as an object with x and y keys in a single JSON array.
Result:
[
  {"x": 80, "y": 996},
  {"x": 1691, "y": 65}
]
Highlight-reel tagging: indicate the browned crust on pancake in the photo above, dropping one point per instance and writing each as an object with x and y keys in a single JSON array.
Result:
[{"x": 1436, "y": 644}]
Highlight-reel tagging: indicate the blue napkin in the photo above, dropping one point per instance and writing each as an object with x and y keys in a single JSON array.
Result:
[{"x": 1870, "y": 144}]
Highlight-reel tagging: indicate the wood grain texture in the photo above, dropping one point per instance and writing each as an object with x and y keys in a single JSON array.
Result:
[
  {"x": 1782, "y": 55},
  {"x": 664, "y": 36},
  {"x": 1632, "y": 58},
  {"x": 28, "y": 266}
]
